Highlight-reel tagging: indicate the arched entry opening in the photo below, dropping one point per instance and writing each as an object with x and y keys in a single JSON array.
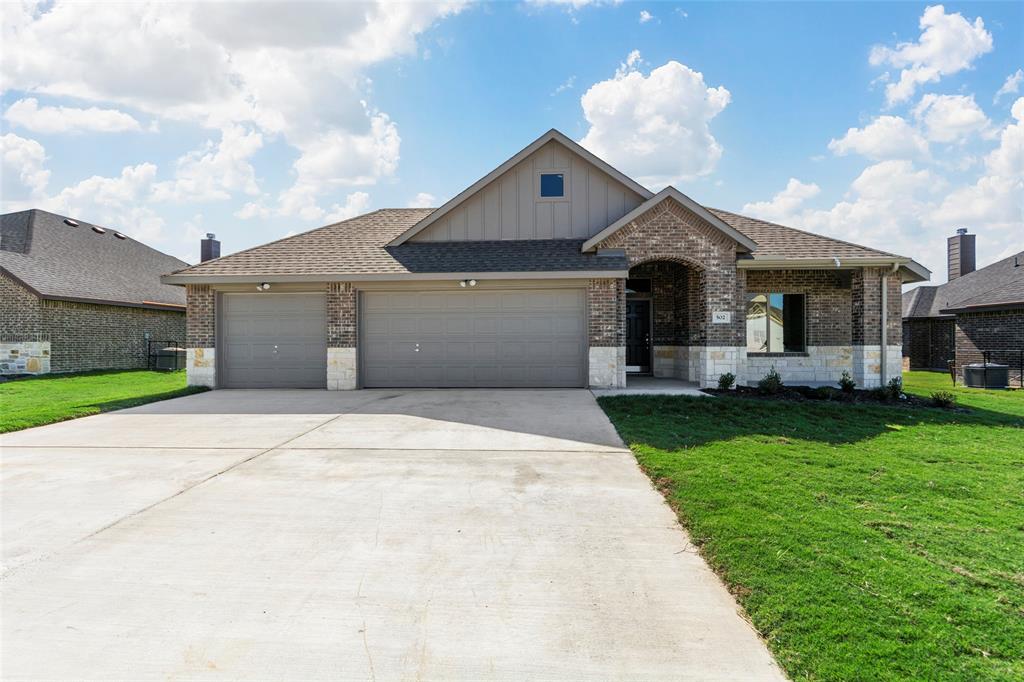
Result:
[{"x": 665, "y": 318}]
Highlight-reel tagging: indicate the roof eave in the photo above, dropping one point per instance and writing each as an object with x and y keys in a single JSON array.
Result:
[
  {"x": 983, "y": 308},
  {"x": 909, "y": 269},
  {"x": 550, "y": 135},
  {"x": 393, "y": 276}
]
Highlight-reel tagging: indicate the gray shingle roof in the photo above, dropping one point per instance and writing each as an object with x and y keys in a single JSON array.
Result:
[
  {"x": 63, "y": 262},
  {"x": 358, "y": 246},
  {"x": 778, "y": 241},
  {"x": 999, "y": 284}
]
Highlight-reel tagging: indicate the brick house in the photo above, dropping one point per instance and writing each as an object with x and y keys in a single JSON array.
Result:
[
  {"x": 975, "y": 311},
  {"x": 76, "y": 296},
  {"x": 554, "y": 269}
]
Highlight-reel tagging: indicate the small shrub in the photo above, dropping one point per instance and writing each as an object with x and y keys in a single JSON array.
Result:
[
  {"x": 895, "y": 388},
  {"x": 771, "y": 383},
  {"x": 943, "y": 399},
  {"x": 881, "y": 393},
  {"x": 726, "y": 381},
  {"x": 824, "y": 393},
  {"x": 846, "y": 382}
]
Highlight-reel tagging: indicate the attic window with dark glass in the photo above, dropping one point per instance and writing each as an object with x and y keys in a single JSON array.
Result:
[{"x": 552, "y": 185}]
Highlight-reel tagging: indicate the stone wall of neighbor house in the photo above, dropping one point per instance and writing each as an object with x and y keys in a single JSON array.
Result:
[
  {"x": 39, "y": 336},
  {"x": 342, "y": 336},
  {"x": 200, "y": 335},
  {"x": 1000, "y": 332},
  {"x": 87, "y": 336},
  {"x": 929, "y": 343}
]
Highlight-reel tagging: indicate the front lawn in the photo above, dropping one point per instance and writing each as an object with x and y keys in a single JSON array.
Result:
[
  {"x": 865, "y": 542},
  {"x": 52, "y": 398}
]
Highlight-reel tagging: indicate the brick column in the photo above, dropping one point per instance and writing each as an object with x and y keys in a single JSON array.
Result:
[
  {"x": 606, "y": 329},
  {"x": 200, "y": 335},
  {"x": 723, "y": 349},
  {"x": 342, "y": 335},
  {"x": 866, "y": 328}
]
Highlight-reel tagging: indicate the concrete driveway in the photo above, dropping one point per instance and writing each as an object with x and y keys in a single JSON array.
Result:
[{"x": 385, "y": 535}]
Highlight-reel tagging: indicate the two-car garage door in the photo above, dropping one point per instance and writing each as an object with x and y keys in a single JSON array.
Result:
[
  {"x": 432, "y": 339},
  {"x": 473, "y": 338}
]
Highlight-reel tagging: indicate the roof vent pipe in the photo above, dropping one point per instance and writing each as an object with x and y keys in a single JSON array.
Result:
[{"x": 209, "y": 248}]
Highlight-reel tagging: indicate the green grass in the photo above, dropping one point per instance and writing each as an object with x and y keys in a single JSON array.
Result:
[
  {"x": 42, "y": 400},
  {"x": 866, "y": 542}
]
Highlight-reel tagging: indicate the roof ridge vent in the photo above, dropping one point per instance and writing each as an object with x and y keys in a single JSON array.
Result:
[
  {"x": 98, "y": 230},
  {"x": 72, "y": 223}
]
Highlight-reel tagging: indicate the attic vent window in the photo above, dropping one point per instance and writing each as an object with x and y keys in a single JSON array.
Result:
[
  {"x": 552, "y": 185},
  {"x": 119, "y": 235},
  {"x": 72, "y": 223},
  {"x": 98, "y": 230}
]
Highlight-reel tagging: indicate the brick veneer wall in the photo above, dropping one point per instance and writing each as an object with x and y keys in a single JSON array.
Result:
[
  {"x": 866, "y": 300},
  {"x": 929, "y": 343},
  {"x": 606, "y": 308},
  {"x": 1001, "y": 332},
  {"x": 19, "y": 312},
  {"x": 670, "y": 301},
  {"x": 341, "y": 315},
  {"x": 827, "y": 300},
  {"x": 202, "y": 316},
  {"x": 670, "y": 232},
  {"x": 85, "y": 336}
]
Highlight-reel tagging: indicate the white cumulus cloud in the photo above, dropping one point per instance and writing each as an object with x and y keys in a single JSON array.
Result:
[
  {"x": 1011, "y": 86},
  {"x": 645, "y": 16},
  {"x": 27, "y": 114},
  {"x": 784, "y": 205},
  {"x": 215, "y": 171},
  {"x": 423, "y": 200},
  {"x": 950, "y": 118},
  {"x": 654, "y": 127},
  {"x": 24, "y": 158},
  {"x": 948, "y": 44},
  {"x": 887, "y": 137}
]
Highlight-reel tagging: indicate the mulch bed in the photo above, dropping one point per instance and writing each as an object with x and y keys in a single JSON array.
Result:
[{"x": 828, "y": 393}]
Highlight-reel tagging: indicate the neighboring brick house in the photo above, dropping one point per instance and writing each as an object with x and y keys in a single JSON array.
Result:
[
  {"x": 976, "y": 311},
  {"x": 75, "y": 296},
  {"x": 554, "y": 269}
]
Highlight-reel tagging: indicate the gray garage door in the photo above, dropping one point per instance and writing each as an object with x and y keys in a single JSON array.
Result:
[
  {"x": 474, "y": 338},
  {"x": 274, "y": 340}
]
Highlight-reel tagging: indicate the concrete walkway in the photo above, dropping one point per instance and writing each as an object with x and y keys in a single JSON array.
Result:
[
  {"x": 388, "y": 535},
  {"x": 644, "y": 385}
]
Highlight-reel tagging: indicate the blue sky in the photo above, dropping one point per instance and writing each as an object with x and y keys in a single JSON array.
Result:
[{"x": 884, "y": 123}]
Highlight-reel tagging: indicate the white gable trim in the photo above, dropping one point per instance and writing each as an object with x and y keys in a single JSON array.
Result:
[
  {"x": 743, "y": 240},
  {"x": 551, "y": 135}
]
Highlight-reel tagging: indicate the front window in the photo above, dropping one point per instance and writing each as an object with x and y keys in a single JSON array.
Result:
[
  {"x": 552, "y": 185},
  {"x": 776, "y": 323}
]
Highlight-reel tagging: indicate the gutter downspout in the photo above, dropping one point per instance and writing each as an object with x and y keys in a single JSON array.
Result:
[{"x": 883, "y": 369}]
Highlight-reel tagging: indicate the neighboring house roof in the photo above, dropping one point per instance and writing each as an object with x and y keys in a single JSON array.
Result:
[
  {"x": 671, "y": 193},
  {"x": 56, "y": 260},
  {"x": 551, "y": 135},
  {"x": 997, "y": 286},
  {"x": 358, "y": 249}
]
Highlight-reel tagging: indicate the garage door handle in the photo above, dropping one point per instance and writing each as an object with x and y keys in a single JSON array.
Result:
[
  {"x": 275, "y": 349},
  {"x": 416, "y": 349}
]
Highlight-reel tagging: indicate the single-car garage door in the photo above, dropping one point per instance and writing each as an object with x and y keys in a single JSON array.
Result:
[
  {"x": 273, "y": 340},
  {"x": 474, "y": 338}
]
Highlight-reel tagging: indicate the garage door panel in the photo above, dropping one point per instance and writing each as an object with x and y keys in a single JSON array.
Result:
[
  {"x": 473, "y": 338},
  {"x": 274, "y": 340}
]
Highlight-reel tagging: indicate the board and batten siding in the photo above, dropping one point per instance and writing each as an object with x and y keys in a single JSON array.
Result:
[{"x": 510, "y": 207}]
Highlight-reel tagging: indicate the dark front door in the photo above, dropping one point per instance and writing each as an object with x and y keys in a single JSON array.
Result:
[{"x": 638, "y": 336}]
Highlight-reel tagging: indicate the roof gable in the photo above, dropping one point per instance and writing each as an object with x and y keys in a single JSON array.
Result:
[
  {"x": 84, "y": 262},
  {"x": 552, "y": 137},
  {"x": 745, "y": 242}
]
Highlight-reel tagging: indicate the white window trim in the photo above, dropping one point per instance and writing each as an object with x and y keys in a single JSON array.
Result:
[{"x": 564, "y": 172}]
